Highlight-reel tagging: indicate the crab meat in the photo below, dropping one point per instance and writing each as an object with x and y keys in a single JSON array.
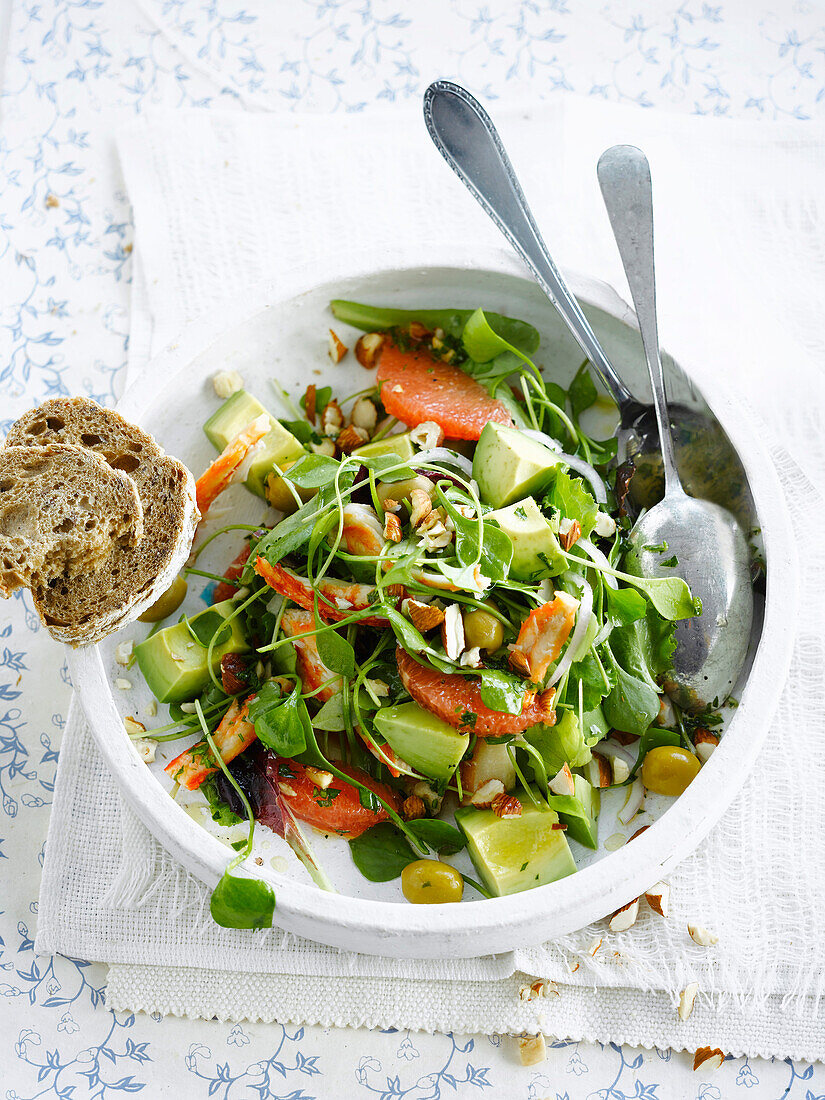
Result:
[
  {"x": 311, "y": 669},
  {"x": 219, "y": 475},
  {"x": 544, "y": 632},
  {"x": 336, "y": 599},
  {"x": 362, "y": 532}
]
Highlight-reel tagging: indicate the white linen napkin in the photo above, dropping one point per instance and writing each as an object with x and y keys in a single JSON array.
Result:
[{"x": 222, "y": 201}]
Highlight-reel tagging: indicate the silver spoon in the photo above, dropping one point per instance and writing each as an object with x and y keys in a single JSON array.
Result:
[
  {"x": 468, "y": 141},
  {"x": 705, "y": 540}
]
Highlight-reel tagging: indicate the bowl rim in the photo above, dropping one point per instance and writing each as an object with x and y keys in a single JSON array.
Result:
[{"x": 488, "y": 925}]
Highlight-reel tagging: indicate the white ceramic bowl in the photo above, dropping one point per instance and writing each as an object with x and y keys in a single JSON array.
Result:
[{"x": 280, "y": 330}]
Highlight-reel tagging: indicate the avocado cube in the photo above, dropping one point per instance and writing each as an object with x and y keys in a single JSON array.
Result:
[
  {"x": 399, "y": 445},
  {"x": 579, "y": 812},
  {"x": 536, "y": 550},
  {"x": 515, "y": 853},
  {"x": 175, "y": 666},
  {"x": 422, "y": 740},
  {"x": 509, "y": 465},
  {"x": 276, "y": 447}
]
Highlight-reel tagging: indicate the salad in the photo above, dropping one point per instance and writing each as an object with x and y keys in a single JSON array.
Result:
[{"x": 432, "y": 643}]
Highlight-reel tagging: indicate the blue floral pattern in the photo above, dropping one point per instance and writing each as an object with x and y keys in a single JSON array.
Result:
[{"x": 66, "y": 237}]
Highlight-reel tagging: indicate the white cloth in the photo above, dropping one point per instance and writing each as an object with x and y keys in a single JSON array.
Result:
[{"x": 223, "y": 201}]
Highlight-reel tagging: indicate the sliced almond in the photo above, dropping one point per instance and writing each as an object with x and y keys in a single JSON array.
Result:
[
  {"x": 705, "y": 743},
  {"x": 658, "y": 898},
  {"x": 423, "y": 616},
  {"x": 483, "y": 797},
  {"x": 364, "y": 415},
  {"x": 368, "y": 348},
  {"x": 563, "y": 782},
  {"x": 708, "y": 1059},
  {"x": 639, "y": 831},
  {"x": 569, "y": 533},
  {"x": 532, "y": 1049},
  {"x": 702, "y": 936},
  {"x": 625, "y": 917},
  {"x": 686, "y": 999},
  {"x": 337, "y": 349},
  {"x": 452, "y": 632}
]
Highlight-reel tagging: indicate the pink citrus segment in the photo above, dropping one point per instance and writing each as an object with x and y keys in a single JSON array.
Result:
[
  {"x": 415, "y": 388},
  {"x": 457, "y": 700}
]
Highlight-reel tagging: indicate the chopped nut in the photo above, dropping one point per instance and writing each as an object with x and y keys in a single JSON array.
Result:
[
  {"x": 391, "y": 505},
  {"x": 423, "y": 616},
  {"x": 232, "y": 666},
  {"x": 325, "y": 447},
  {"x": 152, "y": 708},
  {"x": 123, "y": 653},
  {"x": 620, "y": 769},
  {"x": 594, "y": 946},
  {"x": 506, "y": 805},
  {"x": 623, "y": 738},
  {"x": 420, "y": 506},
  {"x": 433, "y": 533},
  {"x": 368, "y": 348},
  {"x": 483, "y": 797},
  {"x": 431, "y": 797},
  {"x": 545, "y": 701},
  {"x": 638, "y": 832},
  {"x": 337, "y": 350},
  {"x": 569, "y": 533},
  {"x": 605, "y": 526},
  {"x": 122, "y": 684},
  {"x": 53, "y": 201},
  {"x": 418, "y": 331},
  {"x": 379, "y": 689},
  {"x": 452, "y": 632},
  {"x": 658, "y": 898},
  {"x": 573, "y": 969},
  {"x": 188, "y": 708},
  {"x": 598, "y": 772},
  {"x": 562, "y": 782},
  {"x": 364, "y": 415},
  {"x": 392, "y": 528},
  {"x": 146, "y": 748},
  {"x": 532, "y": 1049},
  {"x": 686, "y": 999},
  {"x": 625, "y": 917},
  {"x": 427, "y": 435},
  {"x": 397, "y": 591},
  {"x": 702, "y": 936},
  {"x": 538, "y": 988},
  {"x": 471, "y": 658},
  {"x": 332, "y": 419},
  {"x": 309, "y": 403},
  {"x": 226, "y": 382},
  {"x": 132, "y": 726},
  {"x": 319, "y": 777},
  {"x": 705, "y": 742},
  {"x": 413, "y": 808},
  {"x": 708, "y": 1059},
  {"x": 350, "y": 438},
  {"x": 518, "y": 663}
]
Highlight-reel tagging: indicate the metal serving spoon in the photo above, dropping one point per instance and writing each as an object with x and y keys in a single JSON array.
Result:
[
  {"x": 705, "y": 669},
  {"x": 468, "y": 141},
  {"x": 705, "y": 540}
]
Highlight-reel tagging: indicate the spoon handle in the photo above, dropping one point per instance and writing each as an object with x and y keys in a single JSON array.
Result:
[
  {"x": 464, "y": 135},
  {"x": 624, "y": 177}
]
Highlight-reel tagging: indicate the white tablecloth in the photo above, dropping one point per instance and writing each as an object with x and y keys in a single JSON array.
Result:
[{"x": 65, "y": 260}]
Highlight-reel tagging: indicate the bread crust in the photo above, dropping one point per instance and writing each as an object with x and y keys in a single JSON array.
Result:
[{"x": 86, "y": 609}]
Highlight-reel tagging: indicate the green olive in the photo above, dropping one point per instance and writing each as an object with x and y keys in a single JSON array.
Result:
[
  {"x": 431, "y": 882},
  {"x": 164, "y": 605},
  {"x": 398, "y": 490},
  {"x": 668, "y": 769},
  {"x": 483, "y": 630},
  {"x": 281, "y": 496}
]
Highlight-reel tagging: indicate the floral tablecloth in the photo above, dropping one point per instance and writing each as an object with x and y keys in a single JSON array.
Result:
[{"x": 73, "y": 69}]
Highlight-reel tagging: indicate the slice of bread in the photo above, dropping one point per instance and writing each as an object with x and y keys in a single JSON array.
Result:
[
  {"x": 85, "y": 609},
  {"x": 62, "y": 511}
]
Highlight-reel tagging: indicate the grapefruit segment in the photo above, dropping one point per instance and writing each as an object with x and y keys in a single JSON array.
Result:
[
  {"x": 457, "y": 700},
  {"x": 416, "y": 388}
]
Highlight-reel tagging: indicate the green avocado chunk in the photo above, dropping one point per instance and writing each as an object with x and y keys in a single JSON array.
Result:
[
  {"x": 175, "y": 666},
  {"x": 422, "y": 740},
  {"x": 536, "y": 550},
  {"x": 277, "y": 446},
  {"x": 508, "y": 465},
  {"x": 400, "y": 445},
  {"x": 579, "y": 812},
  {"x": 558, "y": 745},
  {"x": 515, "y": 853}
]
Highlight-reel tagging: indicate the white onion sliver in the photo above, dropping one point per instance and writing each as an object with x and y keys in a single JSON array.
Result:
[
  {"x": 633, "y": 803},
  {"x": 441, "y": 454},
  {"x": 542, "y": 437},
  {"x": 599, "y": 558},
  {"x": 612, "y": 749},
  {"x": 588, "y": 473},
  {"x": 583, "y": 617}
]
